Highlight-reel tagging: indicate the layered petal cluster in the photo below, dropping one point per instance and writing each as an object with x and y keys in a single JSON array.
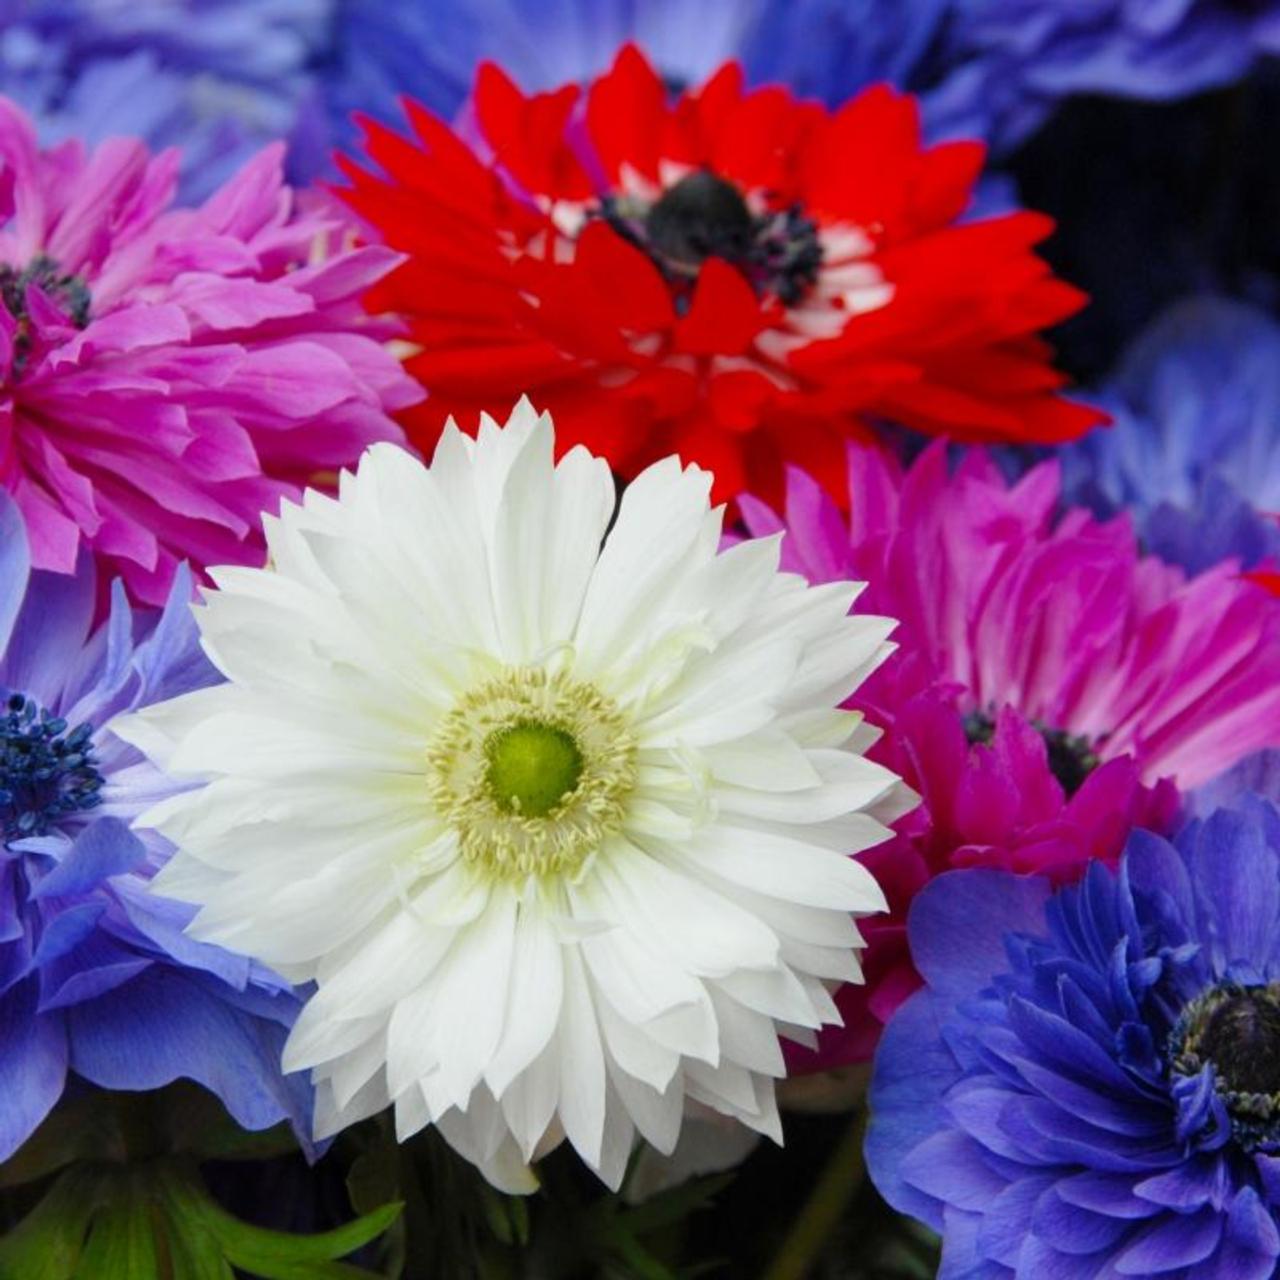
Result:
[
  {"x": 97, "y": 977},
  {"x": 166, "y": 374},
  {"x": 734, "y": 276},
  {"x": 1088, "y": 1084},
  {"x": 217, "y": 78},
  {"x": 1195, "y": 453},
  {"x": 1029, "y": 54},
  {"x": 1012, "y": 602},
  {"x": 561, "y": 831},
  {"x": 1052, "y": 684}
]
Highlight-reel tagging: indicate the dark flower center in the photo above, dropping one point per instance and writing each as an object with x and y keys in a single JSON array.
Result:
[
  {"x": 1071, "y": 758},
  {"x": 46, "y": 771},
  {"x": 702, "y": 216},
  {"x": 69, "y": 292},
  {"x": 1237, "y": 1030}
]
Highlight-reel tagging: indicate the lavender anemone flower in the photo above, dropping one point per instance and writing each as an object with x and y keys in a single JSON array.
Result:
[
  {"x": 97, "y": 977},
  {"x": 1195, "y": 449},
  {"x": 1089, "y": 1083}
]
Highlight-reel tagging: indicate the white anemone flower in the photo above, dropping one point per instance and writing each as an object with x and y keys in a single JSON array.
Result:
[{"x": 557, "y": 816}]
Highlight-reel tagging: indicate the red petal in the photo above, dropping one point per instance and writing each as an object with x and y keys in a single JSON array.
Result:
[
  {"x": 527, "y": 134},
  {"x": 629, "y": 288},
  {"x": 724, "y": 315},
  {"x": 626, "y": 115}
]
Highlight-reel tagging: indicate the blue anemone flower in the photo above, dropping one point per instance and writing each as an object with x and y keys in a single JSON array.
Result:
[
  {"x": 218, "y": 78},
  {"x": 97, "y": 978},
  {"x": 1029, "y": 54},
  {"x": 1088, "y": 1085},
  {"x": 1195, "y": 448},
  {"x": 825, "y": 49}
]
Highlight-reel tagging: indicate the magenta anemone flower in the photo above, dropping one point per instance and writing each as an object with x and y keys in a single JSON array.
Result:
[
  {"x": 1053, "y": 687},
  {"x": 170, "y": 373}
]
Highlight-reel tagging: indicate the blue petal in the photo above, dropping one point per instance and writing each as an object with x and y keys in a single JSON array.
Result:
[
  {"x": 913, "y": 1069},
  {"x": 952, "y": 1168},
  {"x": 67, "y": 930},
  {"x": 106, "y": 847},
  {"x": 170, "y": 661},
  {"x": 50, "y": 631},
  {"x": 1252, "y": 1243},
  {"x": 160, "y": 922},
  {"x": 33, "y": 1066},
  {"x": 958, "y": 922},
  {"x": 1201, "y": 1180},
  {"x": 1257, "y": 774},
  {"x": 1038, "y": 1260},
  {"x": 1070, "y": 1229},
  {"x": 167, "y": 1024},
  {"x": 1237, "y": 885},
  {"x": 15, "y": 567},
  {"x": 1007, "y": 1219},
  {"x": 1110, "y": 1193},
  {"x": 91, "y": 980},
  {"x": 1177, "y": 1240}
]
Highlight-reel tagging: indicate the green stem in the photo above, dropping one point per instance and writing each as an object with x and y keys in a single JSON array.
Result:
[{"x": 829, "y": 1201}]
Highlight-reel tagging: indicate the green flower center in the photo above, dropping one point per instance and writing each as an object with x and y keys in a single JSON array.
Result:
[
  {"x": 534, "y": 770},
  {"x": 532, "y": 767}
]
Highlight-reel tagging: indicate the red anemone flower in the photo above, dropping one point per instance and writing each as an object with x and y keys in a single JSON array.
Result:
[{"x": 733, "y": 276}]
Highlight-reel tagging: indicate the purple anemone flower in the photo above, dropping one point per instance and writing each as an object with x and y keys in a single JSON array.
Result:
[
  {"x": 1088, "y": 1086},
  {"x": 1194, "y": 451},
  {"x": 97, "y": 978}
]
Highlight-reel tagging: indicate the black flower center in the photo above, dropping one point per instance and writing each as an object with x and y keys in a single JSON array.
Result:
[
  {"x": 46, "y": 771},
  {"x": 1237, "y": 1030},
  {"x": 1071, "y": 758},
  {"x": 703, "y": 216},
  {"x": 68, "y": 291}
]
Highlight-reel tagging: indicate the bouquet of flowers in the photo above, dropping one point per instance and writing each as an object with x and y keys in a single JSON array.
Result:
[{"x": 639, "y": 640}]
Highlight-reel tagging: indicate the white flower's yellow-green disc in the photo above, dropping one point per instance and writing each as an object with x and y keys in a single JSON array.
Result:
[{"x": 559, "y": 824}]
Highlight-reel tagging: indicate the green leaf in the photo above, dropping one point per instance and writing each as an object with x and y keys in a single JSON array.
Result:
[
  {"x": 122, "y": 1239},
  {"x": 273, "y": 1255},
  {"x": 674, "y": 1205},
  {"x": 47, "y": 1243},
  {"x": 374, "y": 1178},
  {"x": 640, "y": 1264},
  {"x": 193, "y": 1253},
  {"x": 507, "y": 1216}
]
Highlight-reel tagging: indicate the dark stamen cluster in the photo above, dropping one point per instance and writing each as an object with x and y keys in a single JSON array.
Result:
[
  {"x": 69, "y": 291},
  {"x": 703, "y": 216},
  {"x": 1071, "y": 758},
  {"x": 1237, "y": 1030},
  {"x": 46, "y": 772}
]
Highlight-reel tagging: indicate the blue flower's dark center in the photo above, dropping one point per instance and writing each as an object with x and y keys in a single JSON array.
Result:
[
  {"x": 46, "y": 771},
  {"x": 703, "y": 216},
  {"x": 69, "y": 292},
  {"x": 1237, "y": 1030},
  {"x": 1071, "y": 758}
]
